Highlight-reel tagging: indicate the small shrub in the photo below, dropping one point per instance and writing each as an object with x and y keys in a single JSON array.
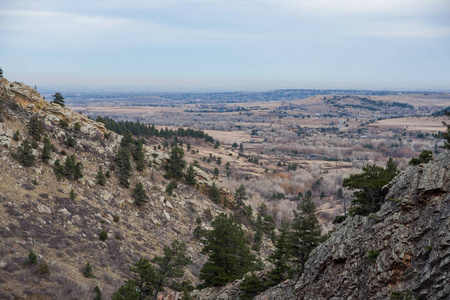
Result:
[
  {"x": 63, "y": 152},
  {"x": 98, "y": 293},
  {"x": 32, "y": 258},
  {"x": 116, "y": 218},
  {"x": 16, "y": 136},
  {"x": 103, "y": 236},
  {"x": 77, "y": 126},
  {"x": 72, "y": 195},
  {"x": 171, "y": 186},
  {"x": 63, "y": 124},
  {"x": 339, "y": 219},
  {"x": 70, "y": 142},
  {"x": 42, "y": 269},
  {"x": 372, "y": 255},
  {"x": 88, "y": 271}
]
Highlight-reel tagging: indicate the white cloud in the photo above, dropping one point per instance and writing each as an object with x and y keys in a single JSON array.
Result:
[{"x": 409, "y": 30}]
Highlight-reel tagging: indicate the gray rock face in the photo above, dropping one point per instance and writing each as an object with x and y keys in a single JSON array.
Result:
[{"x": 409, "y": 239}]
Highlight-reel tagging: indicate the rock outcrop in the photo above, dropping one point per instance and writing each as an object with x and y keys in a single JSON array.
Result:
[{"x": 401, "y": 251}]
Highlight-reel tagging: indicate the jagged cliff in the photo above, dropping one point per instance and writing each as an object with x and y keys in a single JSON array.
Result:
[
  {"x": 36, "y": 212},
  {"x": 401, "y": 251}
]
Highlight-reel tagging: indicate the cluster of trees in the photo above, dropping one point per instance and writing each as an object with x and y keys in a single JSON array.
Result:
[
  {"x": 129, "y": 147},
  {"x": 142, "y": 130},
  {"x": 151, "y": 276},
  {"x": 72, "y": 169}
]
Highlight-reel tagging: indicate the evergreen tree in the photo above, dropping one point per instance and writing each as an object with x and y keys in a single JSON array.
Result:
[
  {"x": 148, "y": 281},
  {"x": 241, "y": 147},
  {"x": 72, "y": 195},
  {"x": 424, "y": 157},
  {"x": 139, "y": 194},
  {"x": 170, "y": 266},
  {"x": 251, "y": 286},
  {"x": 45, "y": 156},
  {"x": 101, "y": 179},
  {"x": 25, "y": 154},
  {"x": 240, "y": 195},
  {"x": 140, "y": 161},
  {"x": 1, "y": 73},
  {"x": 32, "y": 258},
  {"x": 306, "y": 233},
  {"x": 191, "y": 176},
  {"x": 58, "y": 99},
  {"x": 174, "y": 167},
  {"x": 369, "y": 195},
  {"x": 229, "y": 257},
  {"x": 216, "y": 172},
  {"x": 171, "y": 186},
  {"x": 35, "y": 128},
  {"x": 446, "y": 134},
  {"x": 235, "y": 145},
  {"x": 98, "y": 293},
  {"x": 281, "y": 257},
  {"x": 16, "y": 136},
  {"x": 215, "y": 194},
  {"x": 123, "y": 163},
  {"x": 88, "y": 271}
]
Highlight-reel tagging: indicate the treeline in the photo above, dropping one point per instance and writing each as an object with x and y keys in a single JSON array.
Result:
[{"x": 142, "y": 130}]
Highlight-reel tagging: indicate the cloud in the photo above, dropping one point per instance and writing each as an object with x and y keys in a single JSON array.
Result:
[{"x": 409, "y": 30}]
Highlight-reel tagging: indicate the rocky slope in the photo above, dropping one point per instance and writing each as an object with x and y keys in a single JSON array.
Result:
[
  {"x": 401, "y": 252},
  {"x": 36, "y": 212}
]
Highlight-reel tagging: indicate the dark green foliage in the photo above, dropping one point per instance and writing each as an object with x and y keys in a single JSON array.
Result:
[
  {"x": 369, "y": 195},
  {"x": 103, "y": 235},
  {"x": 32, "y": 258},
  {"x": 139, "y": 194},
  {"x": 372, "y": 255},
  {"x": 72, "y": 169},
  {"x": 240, "y": 195},
  {"x": 98, "y": 293},
  {"x": 229, "y": 257},
  {"x": 241, "y": 147},
  {"x": 1, "y": 73},
  {"x": 191, "y": 177},
  {"x": 16, "y": 136},
  {"x": 340, "y": 193},
  {"x": 72, "y": 195},
  {"x": 108, "y": 174},
  {"x": 77, "y": 126},
  {"x": 171, "y": 186},
  {"x": 42, "y": 269},
  {"x": 101, "y": 179},
  {"x": 424, "y": 157},
  {"x": 215, "y": 194},
  {"x": 142, "y": 130},
  {"x": 216, "y": 172},
  {"x": 45, "y": 156},
  {"x": 339, "y": 219},
  {"x": 63, "y": 124},
  {"x": 216, "y": 145},
  {"x": 446, "y": 134},
  {"x": 407, "y": 295},
  {"x": 174, "y": 167},
  {"x": 306, "y": 233},
  {"x": 148, "y": 281},
  {"x": 58, "y": 99},
  {"x": 251, "y": 286},
  {"x": 87, "y": 272},
  {"x": 235, "y": 145},
  {"x": 70, "y": 142},
  {"x": 116, "y": 218},
  {"x": 140, "y": 160},
  {"x": 123, "y": 163},
  {"x": 35, "y": 128},
  {"x": 281, "y": 257},
  {"x": 25, "y": 154}
]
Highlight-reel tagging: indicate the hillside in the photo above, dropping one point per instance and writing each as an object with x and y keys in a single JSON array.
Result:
[
  {"x": 38, "y": 214},
  {"x": 401, "y": 252}
]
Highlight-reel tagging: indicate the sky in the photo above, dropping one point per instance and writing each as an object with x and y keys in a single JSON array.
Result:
[{"x": 215, "y": 45}]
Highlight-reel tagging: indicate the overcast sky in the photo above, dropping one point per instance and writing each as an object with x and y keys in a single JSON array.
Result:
[{"x": 199, "y": 45}]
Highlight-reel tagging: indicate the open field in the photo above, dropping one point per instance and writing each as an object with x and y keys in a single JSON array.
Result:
[{"x": 422, "y": 124}]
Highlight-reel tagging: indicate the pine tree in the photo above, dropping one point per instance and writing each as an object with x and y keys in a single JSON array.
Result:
[
  {"x": 16, "y": 136},
  {"x": 306, "y": 233},
  {"x": 58, "y": 99},
  {"x": 25, "y": 154},
  {"x": 98, "y": 293},
  {"x": 35, "y": 128},
  {"x": 171, "y": 186},
  {"x": 191, "y": 176},
  {"x": 72, "y": 195},
  {"x": 123, "y": 162},
  {"x": 32, "y": 258},
  {"x": 174, "y": 167},
  {"x": 240, "y": 195},
  {"x": 281, "y": 257},
  {"x": 101, "y": 179},
  {"x": 446, "y": 134},
  {"x": 139, "y": 194},
  {"x": 1, "y": 73},
  {"x": 140, "y": 161},
  {"x": 215, "y": 194},
  {"x": 229, "y": 257},
  {"x": 88, "y": 271},
  {"x": 45, "y": 156}
]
